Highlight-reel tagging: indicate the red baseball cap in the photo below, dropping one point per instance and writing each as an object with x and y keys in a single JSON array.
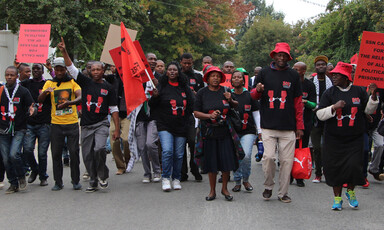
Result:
[
  {"x": 209, "y": 69},
  {"x": 281, "y": 47},
  {"x": 343, "y": 69}
]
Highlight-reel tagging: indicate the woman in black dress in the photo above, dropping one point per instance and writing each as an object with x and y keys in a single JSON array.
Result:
[
  {"x": 211, "y": 107},
  {"x": 343, "y": 108}
]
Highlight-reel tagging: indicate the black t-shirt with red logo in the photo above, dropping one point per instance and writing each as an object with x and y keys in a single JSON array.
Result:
[
  {"x": 21, "y": 103},
  {"x": 350, "y": 120},
  {"x": 95, "y": 99},
  {"x": 43, "y": 115},
  {"x": 246, "y": 106},
  {"x": 309, "y": 94},
  {"x": 208, "y": 101},
  {"x": 172, "y": 108},
  {"x": 195, "y": 80},
  {"x": 277, "y": 109}
]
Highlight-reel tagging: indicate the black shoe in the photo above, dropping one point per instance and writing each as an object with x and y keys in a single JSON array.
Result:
[
  {"x": 12, "y": 189},
  {"x": 22, "y": 183},
  {"x": 227, "y": 197},
  {"x": 91, "y": 189},
  {"x": 237, "y": 188},
  {"x": 300, "y": 183},
  {"x": 210, "y": 198},
  {"x": 375, "y": 175},
  {"x": 184, "y": 178},
  {"x": 198, "y": 178},
  {"x": 267, "y": 194},
  {"x": 249, "y": 187},
  {"x": 32, "y": 177},
  {"x": 220, "y": 179},
  {"x": 57, "y": 187}
]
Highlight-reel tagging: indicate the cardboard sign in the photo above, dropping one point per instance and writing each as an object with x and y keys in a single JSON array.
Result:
[
  {"x": 33, "y": 43},
  {"x": 112, "y": 41},
  {"x": 116, "y": 57},
  {"x": 143, "y": 58},
  {"x": 370, "y": 65},
  {"x": 228, "y": 84}
]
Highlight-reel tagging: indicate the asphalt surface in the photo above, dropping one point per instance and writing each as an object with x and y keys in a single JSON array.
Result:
[{"x": 130, "y": 204}]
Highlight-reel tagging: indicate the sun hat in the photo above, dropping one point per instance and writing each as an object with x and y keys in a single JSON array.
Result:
[
  {"x": 281, "y": 47},
  {"x": 209, "y": 69},
  {"x": 343, "y": 69}
]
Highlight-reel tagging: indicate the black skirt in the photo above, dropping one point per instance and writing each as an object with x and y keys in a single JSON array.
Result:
[
  {"x": 219, "y": 155},
  {"x": 343, "y": 160}
]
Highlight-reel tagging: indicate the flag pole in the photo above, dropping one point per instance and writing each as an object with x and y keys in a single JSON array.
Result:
[{"x": 153, "y": 85}]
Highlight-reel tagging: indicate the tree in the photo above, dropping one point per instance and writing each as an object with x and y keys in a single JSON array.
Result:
[
  {"x": 260, "y": 40},
  {"x": 259, "y": 9},
  {"x": 83, "y": 24},
  {"x": 195, "y": 26},
  {"x": 337, "y": 34}
]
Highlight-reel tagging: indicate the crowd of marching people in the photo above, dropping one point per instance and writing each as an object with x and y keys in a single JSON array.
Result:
[{"x": 190, "y": 111}]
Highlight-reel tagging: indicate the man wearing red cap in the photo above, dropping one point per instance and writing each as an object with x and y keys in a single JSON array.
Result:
[{"x": 279, "y": 89}]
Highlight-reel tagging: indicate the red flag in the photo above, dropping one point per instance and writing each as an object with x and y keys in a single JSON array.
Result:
[
  {"x": 132, "y": 67},
  {"x": 354, "y": 59},
  {"x": 144, "y": 59},
  {"x": 116, "y": 57}
]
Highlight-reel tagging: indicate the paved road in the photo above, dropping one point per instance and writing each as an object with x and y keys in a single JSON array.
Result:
[{"x": 129, "y": 204}]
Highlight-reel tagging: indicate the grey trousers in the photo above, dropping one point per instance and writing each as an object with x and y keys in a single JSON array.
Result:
[
  {"x": 93, "y": 140},
  {"x": 378, "y": 149},
  {"x": 147, "y": 136}
]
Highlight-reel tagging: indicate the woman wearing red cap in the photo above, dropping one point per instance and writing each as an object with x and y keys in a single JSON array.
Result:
[
  {"x": 343, "y": 108},
  {"x": 211, "y": 107}
]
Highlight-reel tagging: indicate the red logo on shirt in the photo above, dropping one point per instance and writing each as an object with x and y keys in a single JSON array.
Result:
[
  {"x": 356, "y": 100},
  {"x": 104, "y": 92},
  {"x": 247, "y": 108},
  {"x": 225, "y": 103},
  {"x": 16, "y": 100},
  {"x": 286, "y": 84},
  {"x": 305, "y": 94},
  {"x": 192, "y": 81}
]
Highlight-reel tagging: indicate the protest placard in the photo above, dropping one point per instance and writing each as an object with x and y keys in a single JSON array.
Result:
[
  {"x": 112, "y": 41},
  {"x": 116, "y": 57},
  {"x": 228, "y": 84},
  {"x": 370, "y": 64},
  {"x": 33, "y": 43}
]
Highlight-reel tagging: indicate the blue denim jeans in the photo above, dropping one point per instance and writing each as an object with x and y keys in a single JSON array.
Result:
[
  {"x": 10, "y": 147},
  {"x": 42, "y": 133},
  {"x": 172, "y": 154},
  {"x": 244, "y": 169}
]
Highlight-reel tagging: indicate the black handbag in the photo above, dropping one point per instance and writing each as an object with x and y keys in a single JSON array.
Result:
[{"x": 234, "y": 118}]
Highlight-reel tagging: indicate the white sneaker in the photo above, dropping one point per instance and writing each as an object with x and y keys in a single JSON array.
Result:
[
  {"x": 146, "y": 180},
  {"x": 166, "y": 185},
  {"x": 176, "y": 184},
  {"x": 86, "y": 176},
  {"x": 156, "y": 178}
]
